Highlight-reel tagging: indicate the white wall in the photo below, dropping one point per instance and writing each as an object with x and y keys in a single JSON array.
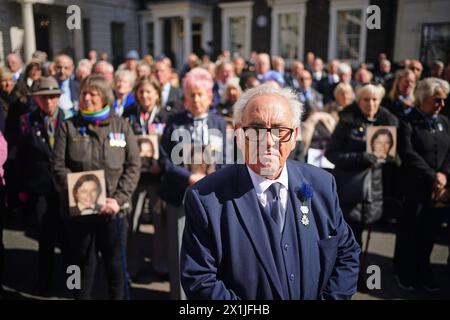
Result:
[{"x": 411, "y": 14}]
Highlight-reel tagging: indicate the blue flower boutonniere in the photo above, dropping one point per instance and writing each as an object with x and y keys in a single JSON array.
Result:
[{"x": 305, "y": 192}]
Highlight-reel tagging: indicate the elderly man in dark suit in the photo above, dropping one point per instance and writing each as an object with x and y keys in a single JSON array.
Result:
[
  {"x": 70, "y": 97},
  {"x": 171, "y": 101},
  {"x": 269, "y": 229}
]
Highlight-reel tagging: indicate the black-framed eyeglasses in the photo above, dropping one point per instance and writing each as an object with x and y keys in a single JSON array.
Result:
[
  {"x": 438, "y": 100},
  {"x": 258, "y": 134}
]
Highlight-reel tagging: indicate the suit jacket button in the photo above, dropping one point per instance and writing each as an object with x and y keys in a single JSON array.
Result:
[
  {"x": 291, "y": 277},
  {"x": 286, "y": 246}
]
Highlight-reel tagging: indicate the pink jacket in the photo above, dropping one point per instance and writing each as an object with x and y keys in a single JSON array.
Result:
[{"x": 3, "y": 156}]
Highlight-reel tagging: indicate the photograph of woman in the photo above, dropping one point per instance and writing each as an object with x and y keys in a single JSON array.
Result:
[
  {"x": 86, "y": 193},
  {"x": 381, "y": 143}
]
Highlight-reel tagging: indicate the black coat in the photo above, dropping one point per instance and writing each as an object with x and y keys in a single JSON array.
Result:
[
  {"x": 359, "y": 180},
  {"x": 425, "y": 150},
  {"x": 35, "y": 154},
  {"x": 175, "y": 176}
]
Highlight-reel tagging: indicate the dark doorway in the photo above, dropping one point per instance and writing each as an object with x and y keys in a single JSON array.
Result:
[
  {"x": 117, "y": 41},
  {"x": 86, "y": 36},
  {"x": 42, "y": 25},
  {"x": 167, "y": 36},
  {"x": 197, "y": 39}
]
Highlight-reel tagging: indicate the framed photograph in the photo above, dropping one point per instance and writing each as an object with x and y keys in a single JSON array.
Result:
[
  {"x": 148, "y": 146},
  {"x": 87, "y": 192},
  {"x": 382, "y": 142}
]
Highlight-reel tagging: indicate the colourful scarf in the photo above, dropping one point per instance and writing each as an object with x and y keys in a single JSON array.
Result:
[{"x": 96, "y": 116}]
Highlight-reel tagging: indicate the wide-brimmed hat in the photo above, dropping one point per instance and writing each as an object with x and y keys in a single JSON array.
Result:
[{"x": 47, "y": 86}]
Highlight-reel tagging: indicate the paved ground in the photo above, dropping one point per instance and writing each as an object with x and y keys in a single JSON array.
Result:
[{"x": 21, "y": 261}]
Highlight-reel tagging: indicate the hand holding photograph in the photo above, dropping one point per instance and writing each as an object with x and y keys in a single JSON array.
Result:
[{"x": 87, "y": 192}]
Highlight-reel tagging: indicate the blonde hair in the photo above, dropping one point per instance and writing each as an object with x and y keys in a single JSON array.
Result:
[
  {"x": 399, "y": 76},
  {"x": 342, "y": 87},
  {"x": 151, "y": 80}
]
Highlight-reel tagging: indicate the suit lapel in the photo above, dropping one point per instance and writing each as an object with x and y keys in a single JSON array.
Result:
[
  {"x": 309, "y": 259},
  {"x": 247, "y": 207}
]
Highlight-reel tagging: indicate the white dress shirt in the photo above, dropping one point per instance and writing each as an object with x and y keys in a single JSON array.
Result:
[
  {"x": 65, "y": 100},
  {"x": 264, "y": 196},
  {"x": 165, "y": 94}
]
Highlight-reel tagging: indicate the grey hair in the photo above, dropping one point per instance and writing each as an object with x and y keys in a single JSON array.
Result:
[
  {"x": 428, "y": 87},
  {"x": 286, "y": 93}
]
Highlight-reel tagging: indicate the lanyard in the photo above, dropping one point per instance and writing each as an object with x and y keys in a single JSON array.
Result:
[{"x": 145, "y": 125}]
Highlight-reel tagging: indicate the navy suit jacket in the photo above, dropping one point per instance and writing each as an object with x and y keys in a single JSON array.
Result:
[{"x": 226, "y": 253}]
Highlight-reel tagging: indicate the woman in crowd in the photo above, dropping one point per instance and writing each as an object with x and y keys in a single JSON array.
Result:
[
  {"x": 400, "y": 100},
  {"x": 123, "y": 96},
  {"x": 317, "y": 129},
  {"x": 424, "y": 146},
  {"x": 357, "y": 170},
  {"x": 193, "y": 128},
  {"x": 147, "y": 120},
  {"x": 96, "y": 139}
]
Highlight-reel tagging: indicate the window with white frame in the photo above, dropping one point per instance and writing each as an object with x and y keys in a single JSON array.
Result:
[
  {"x": 237, "y": 37},
  {"x": 288, "y": 26},
  {"x": 348, "y": 30},
  {"x": 236, "y": 27},
  {"x": 288, "y": 29}
]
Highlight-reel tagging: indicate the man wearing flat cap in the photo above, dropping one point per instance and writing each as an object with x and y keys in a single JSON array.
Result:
[{"x": 38, "y": 191}]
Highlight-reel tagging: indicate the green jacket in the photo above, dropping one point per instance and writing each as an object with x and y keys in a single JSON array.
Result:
[{"x": 111, "y": 146}]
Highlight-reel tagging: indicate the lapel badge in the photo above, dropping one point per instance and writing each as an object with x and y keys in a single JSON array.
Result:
[
  {"x": 305, "y": 220},
  {"x": 304, "y": 193}
]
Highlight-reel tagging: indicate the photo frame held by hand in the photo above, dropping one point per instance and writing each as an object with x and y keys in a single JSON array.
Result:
[
  {"x": 148, "y": 146},
  {"x": 382, "y": 142},
  {"x": 86, "y": 192}
]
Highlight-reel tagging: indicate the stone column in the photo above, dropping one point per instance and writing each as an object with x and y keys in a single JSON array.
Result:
[
  {"x": 28, "y": 27},
  {"x": 157, "y": 36},
  {"x": 187, "y": 32}
]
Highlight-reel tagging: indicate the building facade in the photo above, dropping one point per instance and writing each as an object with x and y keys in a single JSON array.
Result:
[{"x": 289, "y": 28}]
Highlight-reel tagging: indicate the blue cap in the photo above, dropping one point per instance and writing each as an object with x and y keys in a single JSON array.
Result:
[
  {"x": 132, "y": 55},
  {"x": 274, "y": 76}
]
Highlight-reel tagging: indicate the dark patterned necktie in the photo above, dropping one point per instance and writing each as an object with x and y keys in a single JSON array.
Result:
[{"x": 276, "y": 211}]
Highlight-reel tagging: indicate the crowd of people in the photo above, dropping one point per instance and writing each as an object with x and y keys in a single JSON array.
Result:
[{"x": 59, "y": 117}]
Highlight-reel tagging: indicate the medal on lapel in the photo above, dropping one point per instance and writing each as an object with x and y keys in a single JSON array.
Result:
[{"x": 304, "y": 193}]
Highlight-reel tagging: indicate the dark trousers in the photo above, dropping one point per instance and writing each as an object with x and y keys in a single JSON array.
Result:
[
  {"x": 51, "y": 230},
  {"x": 90, "y": 236},
  {"x": 405, "y": 255},
  {"x": 416, "y": 234},
  {"x": 429, "y": 225}
]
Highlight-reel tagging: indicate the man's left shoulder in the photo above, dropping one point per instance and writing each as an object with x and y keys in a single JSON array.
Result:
[
  {"x": 316, "y": 176},
  {"x": 309, "y": 171}
]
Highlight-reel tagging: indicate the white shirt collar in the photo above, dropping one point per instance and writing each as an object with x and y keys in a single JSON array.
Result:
[
  {"x": 261, "y": 184},
  {"x": 166, "y": 87}
]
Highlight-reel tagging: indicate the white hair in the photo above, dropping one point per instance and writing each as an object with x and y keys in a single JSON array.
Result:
[
  {"x": 370, "y": 89},
  {"x": 124, "y": 74},
  {"x": 428, "y": 87},
  {"x": 109, "y": 66},
  {"x": 286, "y": 93},
  {"x": 344, "y": 68}
]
